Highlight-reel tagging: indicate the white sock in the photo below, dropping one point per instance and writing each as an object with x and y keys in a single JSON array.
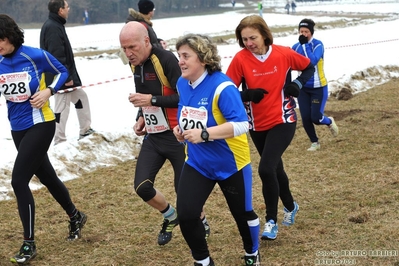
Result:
[
  {"x": 170, "y": 214},
  {"x": 252, "y": 254},
  {"x": 204, "y": 262}
]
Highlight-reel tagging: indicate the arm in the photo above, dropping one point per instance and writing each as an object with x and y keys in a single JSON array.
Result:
[
  {"x": 314, "y": 55},
  {"x": 234, "y": 72},
  {"x": 53, "y": 66},
  {"x": 293, "y": 88},
  {"x": 169, "y": 101},
  {"x": 223, "y": 131},
  {"x": 228, "y": 130},
  {"x": 234, "y": 117},
  {"x": 306, "y": 74}
]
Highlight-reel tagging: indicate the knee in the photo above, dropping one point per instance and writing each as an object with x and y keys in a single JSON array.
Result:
[
  {"x": 57, "y": 117},
  {"x": 247, "y": 217},
  {"x": 186, "y": 214},
  {"x": 250, "y": 216},
  {"x": 145, "y": 190},
  {"x": 265, "y": 171},
  {"x": 18, "y": 184},
  {"x": 305, "y": 116},
  {"x": 78, "y": 104}
]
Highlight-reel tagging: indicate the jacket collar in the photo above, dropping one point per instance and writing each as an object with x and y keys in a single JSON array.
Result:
[{"x": 57, "y": 18}]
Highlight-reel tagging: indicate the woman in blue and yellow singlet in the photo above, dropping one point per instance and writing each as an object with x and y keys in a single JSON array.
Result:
[
  {"x": 213, "y": 124},
  {"x": 32, "y": 128}
]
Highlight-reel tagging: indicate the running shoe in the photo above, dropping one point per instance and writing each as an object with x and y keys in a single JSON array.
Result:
[
  {"x": 211, "y": 263},
  {"x": 76, "y": 225},
  {"x": 315, "y": 146},
  {"x": 87, "y": 133},
  {"x": 26, "y": 253},
  {"x": 333, "y": 127},
  {"x": 252, "y": 260},
  {"x": 289, "y": 217},
  {"x": 165, "y": 235},
  {"x": 271, "y": 230}
]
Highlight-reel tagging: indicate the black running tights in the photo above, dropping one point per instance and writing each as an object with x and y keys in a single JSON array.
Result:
[
  {"x": 271, "y": 145},
  {"x": 32, "y": 159}
]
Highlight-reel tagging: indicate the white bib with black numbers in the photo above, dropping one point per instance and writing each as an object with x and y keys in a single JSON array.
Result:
[
  {"x": 191, "y": 118},
  {"x": 155, "y": 121},
  {"x": 15, "y": 86}
]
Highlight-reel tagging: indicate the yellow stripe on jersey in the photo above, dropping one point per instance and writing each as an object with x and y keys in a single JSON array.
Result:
[
  {"x": 159, "y": 70},
  {"x": 238, "y": 145},
  {"x": 320, "y": 71},
  {"x": 45, "y": 113}
]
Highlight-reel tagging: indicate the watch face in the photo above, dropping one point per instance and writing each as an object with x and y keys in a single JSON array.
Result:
[
  {"x": 153, "y": 100},
  {"x": 205, "y": 135}
]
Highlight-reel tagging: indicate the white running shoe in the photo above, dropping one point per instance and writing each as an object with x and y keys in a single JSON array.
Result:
[
  {"x": 314, "y": 147},
  {"x": 333, "y": 127}
]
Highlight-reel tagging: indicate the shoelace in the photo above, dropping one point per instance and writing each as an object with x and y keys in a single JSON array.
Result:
[
  {"x": 268, "y": 227},
  {"x": 287, "y": 217},
  {"x": 167, "y": 226},
  {"x": 74, "y": 226}
]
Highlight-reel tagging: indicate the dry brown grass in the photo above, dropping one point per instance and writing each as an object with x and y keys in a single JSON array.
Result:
[{"x": 347, "y": 192}]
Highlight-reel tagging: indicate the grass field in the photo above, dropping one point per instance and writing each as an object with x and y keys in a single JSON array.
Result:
[{"x": 347, "y": 192}]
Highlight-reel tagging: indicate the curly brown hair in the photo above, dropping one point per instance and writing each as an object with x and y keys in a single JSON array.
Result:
[{"x": 205, "y": 49}]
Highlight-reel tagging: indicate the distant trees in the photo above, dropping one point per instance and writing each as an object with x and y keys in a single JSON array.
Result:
[{"x": 103, "y": 11}]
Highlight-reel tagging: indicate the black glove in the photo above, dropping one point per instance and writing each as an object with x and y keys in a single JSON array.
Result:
[
  {"x": 292, "y": 89},
  {"x": 253, "y": 95},
  {"x": 303, "y": 39}
]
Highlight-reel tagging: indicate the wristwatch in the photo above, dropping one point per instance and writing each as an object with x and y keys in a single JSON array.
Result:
[
  {"x": 52, "y": 90},
  {"x": 153, "y": 100},
  {"x": 205, "y": 135}
]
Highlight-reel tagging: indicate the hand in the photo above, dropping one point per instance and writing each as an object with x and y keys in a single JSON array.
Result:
[
  {"x": 69, "y": 83},
  {"x": 139, "y": 127},
  {"x": 38, "y": 99},
  {"x": 253, "y": 95},
  {"x": 178, "y": 133},
  {"x": 193, "y": 135},
  {"x": 292, "y": 89},
  {"x": 303, "y": 39},
  {"x": 140, "y": 100}
]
